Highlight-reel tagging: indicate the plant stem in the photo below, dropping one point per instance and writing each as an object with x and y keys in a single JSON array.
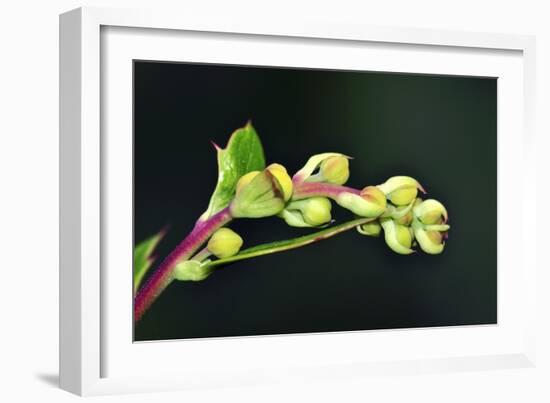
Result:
[
  {"x": 281, "y": 246},
  {"x": 202, "y": 254},
  {"x": 163, "y": 275},
  {"x": 311, "y": 189}
]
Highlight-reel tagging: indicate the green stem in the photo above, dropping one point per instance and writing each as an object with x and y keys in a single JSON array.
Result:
[
  {"x": 202, "y": 254},
  {"x": 281, "y": 246}
]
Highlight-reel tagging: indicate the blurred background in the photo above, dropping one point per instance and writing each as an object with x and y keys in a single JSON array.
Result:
[{"x": 438, "y": 129}]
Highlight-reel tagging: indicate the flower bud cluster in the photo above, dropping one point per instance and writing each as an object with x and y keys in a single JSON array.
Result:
[
  {"x": 331, "y": 171},
  {"x": 392, "y": 208},
  {"x": 405, "y": 219},
  {"x": 421, "y": 222}
]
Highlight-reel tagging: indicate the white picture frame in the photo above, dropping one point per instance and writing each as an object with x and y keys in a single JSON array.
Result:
[{"x": 96, "y": 355}]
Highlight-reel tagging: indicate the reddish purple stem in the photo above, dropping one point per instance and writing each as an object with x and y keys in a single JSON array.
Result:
[
  {"x": 163, "y": 275},
  {"x": 312, "y": 189}
]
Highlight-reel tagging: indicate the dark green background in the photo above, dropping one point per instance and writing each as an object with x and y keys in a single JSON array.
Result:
[{"x": 438, "y": 129}]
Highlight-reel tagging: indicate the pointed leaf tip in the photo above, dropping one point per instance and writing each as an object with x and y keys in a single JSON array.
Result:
[
  {"x": 143, "y": 255},
  {"x": 217, "y": 147},
  {"x": 242, "y": 154}
]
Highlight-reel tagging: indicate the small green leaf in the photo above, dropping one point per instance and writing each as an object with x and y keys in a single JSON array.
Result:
[
  {"x": 244, "y": 153},
  {"x": 143, "y": 258}
]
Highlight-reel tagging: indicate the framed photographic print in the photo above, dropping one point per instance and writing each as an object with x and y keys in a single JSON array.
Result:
[{"x": 289, "y": 201}]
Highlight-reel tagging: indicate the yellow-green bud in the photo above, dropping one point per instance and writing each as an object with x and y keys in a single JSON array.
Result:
[
  {"x": 372, "y": 228},
  {"x": 245, "y": 180},
  {"x": 370, "y": 203},
  {"x": 294, "y": 218},
  {"x": 401, "y": 215},
  {"x": 317, "y": 211},
  {"x": 311, "y": 212},
  {"x": 262, "y": 196},
  {"x": 305, "y": 173},
  {"x": 401, "y": 190},
  {"x": 280, "y": 173},
  {"x": 373, "y": 195},
  {"x": 225, "y": 243},
  {"x": 406, "y": 219},
  {"x": 398, "y": 237},
  {"x": 335, "y": 170},
  {"x": 430, "y": 241},
  {"x": 430, "y": 224},
  {"x": 191, "y": 270},
  {"x": 431, "y": 211}
]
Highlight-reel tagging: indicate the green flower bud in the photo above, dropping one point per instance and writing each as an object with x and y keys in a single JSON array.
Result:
[
  {"x": 401, "y": 215},
  {"x": 370, "y": 203},
  {"x": 398, "y": 237},
  {"x": 430, "y": 241},
  {"x": 313, "y": 163},
  {"x": 294, "y": 218},
  {"x": 335, "y": 170},
  {"x": 430, "y": 225},
  {"x": 431, "y": 211},
  {"x": 401, "y": 190},
  {"x": 406, "y": 219},
  {"x": 373, "y": 195},
  {"x": 372, "y": 228},
  {"x": 245, "y": 180},
  {"x": 262, "y": 196},
  {"x": 279, "y": 172},
  {"x": 191, "y": 270},
  {"x": 311, "y": 212},
  {"x": 316, "y": 210},
  {"x": 225, "y": 243}
]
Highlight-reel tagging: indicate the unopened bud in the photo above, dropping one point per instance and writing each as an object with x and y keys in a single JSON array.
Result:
[
  {"x": 398, "y": 237},
  {"x": 401, "y": 190},
  {"x": 335, "y": 170},
  {"x": 372, "y": 228},
  {"x": 431, "y": 211},
  {"x": 401, "y": 215},
  {"x": 280, "y": 173},
  {"x": 245, "y": 180},
  {"x": 312, "y": 164},
  {"x": 225, "y": 243},
  {"x": 430, "y": 225},
  {"x": 311, "y": 212},
  {"x": 191, "y": 270},
  {"x": 370, "y": 203},
  {"x": 262, "y": 196},
  {"x": 430, "y": 241},
  {"x": 406, "y": 219}
]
